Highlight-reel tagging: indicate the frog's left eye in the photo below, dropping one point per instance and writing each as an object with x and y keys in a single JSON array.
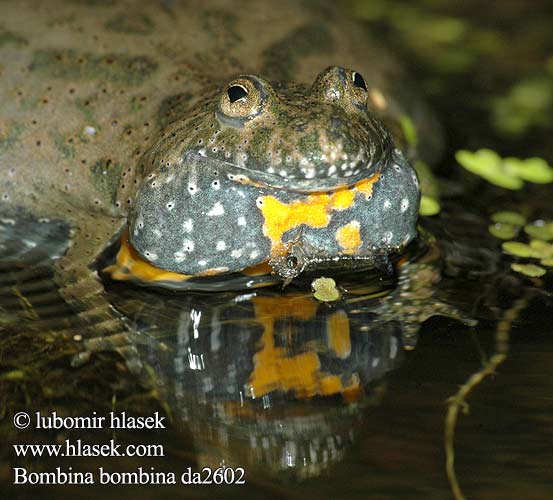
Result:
[
  {"x": 236, "y": 92},
  {"x": 242, "y": 100},
  {"x": 359, "y": 81}
]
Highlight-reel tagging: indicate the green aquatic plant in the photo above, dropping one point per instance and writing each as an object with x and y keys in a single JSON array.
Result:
[
  {"x": 430, "y": 199},
  {"x": 540, "y": 229},
  {"x": 508, "y": 173},
  {"x": 508, "y": 217},
  {"x": 503, "y": 231},
  {"x": 530, "y": 270},
  {"x": 507, "y": 226},
  {"x": 527, "y": 104},
  {"x": 517, "y": 249},
  {"x": 325, "y": 289}
]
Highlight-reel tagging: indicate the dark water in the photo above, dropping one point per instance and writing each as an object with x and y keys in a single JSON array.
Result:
[{"x": 340, "y": 400}]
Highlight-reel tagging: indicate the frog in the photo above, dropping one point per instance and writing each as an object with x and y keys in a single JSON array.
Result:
[{"x": 203, "y": 142}]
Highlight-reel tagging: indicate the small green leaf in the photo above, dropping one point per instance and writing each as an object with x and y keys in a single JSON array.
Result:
[
  {"x": 325, "y": 289},
  {"x": 530, "y": 270},
  {"x": 503, "y": 231},
  {"x": 540, "y": 229},
  {"x": 429, "y": 206},
  {"x": 534, "y": 170},
  {"x": 517, "y": 248},
  {"x": 507, "y": 217},
  {"x": 541, "y": 249}
]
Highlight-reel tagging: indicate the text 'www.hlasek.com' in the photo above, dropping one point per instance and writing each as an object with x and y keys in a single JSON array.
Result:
[{"x": 76, "y": 448}]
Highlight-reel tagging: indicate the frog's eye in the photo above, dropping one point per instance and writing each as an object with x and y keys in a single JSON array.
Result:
[
  {"x": 236, "y": 92},
  {"x": 242, "y": 100},
  {"x": 359, "y": 81},
  {"x": 341, "y": 85}
]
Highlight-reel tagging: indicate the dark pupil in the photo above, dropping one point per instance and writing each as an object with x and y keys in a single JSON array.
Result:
[
  {"x": 359, "y": 81},
  {"x": 236, "y": 92},
  {"x": 292, "y": 261}
]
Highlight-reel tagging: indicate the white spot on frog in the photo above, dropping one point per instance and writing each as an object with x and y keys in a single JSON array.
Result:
[
  {"x": 187, "y": 246},
  {"x": 216, "y": 210},
  {"x": 151, "y": 256},
  {"x": 179, "y": 256},
  {"x": 404, "y": 204},
  {"x": 188, "y": 225}
]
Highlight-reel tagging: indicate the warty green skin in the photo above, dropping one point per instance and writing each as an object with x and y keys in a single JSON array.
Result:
[{"x": 87, "y": 87}]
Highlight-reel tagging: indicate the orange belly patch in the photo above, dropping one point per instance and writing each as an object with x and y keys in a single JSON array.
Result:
[
  {"x": 315, "y": 211},
  {"x": 349, "y": 237}
]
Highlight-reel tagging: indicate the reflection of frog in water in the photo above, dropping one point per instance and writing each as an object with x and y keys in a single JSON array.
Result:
[{"x": 278, "y": 380}]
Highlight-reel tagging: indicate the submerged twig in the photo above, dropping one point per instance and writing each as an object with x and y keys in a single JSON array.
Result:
[{"x": 458, "y": 401}]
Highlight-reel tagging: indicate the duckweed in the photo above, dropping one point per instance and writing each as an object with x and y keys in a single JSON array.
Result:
[
  {"x": 518, "y": 249},
  {"x": 541, "y": 249},
  {"x": 429, "y": 206},
  {"x": 508, "y": 173},
  {"x": 325, "y": 289},
  {"x": 503, "y": 231},
  {"x": 507, "y": 217},
  {"x": 530, "y": 270},
  {"x": 540, "y": 229}
]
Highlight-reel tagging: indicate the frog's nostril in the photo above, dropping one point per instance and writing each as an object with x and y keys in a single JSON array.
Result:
[{"x": 292, "y": 261}]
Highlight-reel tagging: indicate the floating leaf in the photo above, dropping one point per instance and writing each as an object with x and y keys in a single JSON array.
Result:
[
  {"x": 507, "y": 217},
  {"x": 325, "y": 289},
  {"x": 517, "y": 248},
  {"x": 488, "y": 165},
  {"x": 547, "y": 262},
  {"x": 534, "y": 170},
  {"x": 508, "y": 173},
  {"x": 429, "y": 206},
  {"x": 503, "y": 231},
  {"x": 541, "y": 249},
  {"x": 530, "y": 270},
  {"x": 540, "y": 229}
]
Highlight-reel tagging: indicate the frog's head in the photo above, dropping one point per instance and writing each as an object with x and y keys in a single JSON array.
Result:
[{"x": 257, "y": 166}]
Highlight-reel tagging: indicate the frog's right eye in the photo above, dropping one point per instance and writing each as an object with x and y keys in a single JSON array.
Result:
[
  {"x": 241, "y": 101},
  {"x": 236, "y": 92}
]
